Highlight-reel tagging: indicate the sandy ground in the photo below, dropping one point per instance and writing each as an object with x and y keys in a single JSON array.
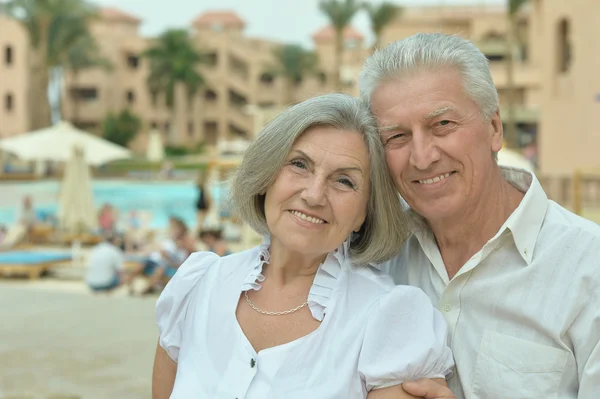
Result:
[{"x": 57, "y": 340}]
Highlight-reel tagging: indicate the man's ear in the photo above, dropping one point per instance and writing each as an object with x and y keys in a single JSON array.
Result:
[{"x": 497, "y": 131}]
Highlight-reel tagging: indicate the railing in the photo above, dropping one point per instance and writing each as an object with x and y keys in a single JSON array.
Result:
[{"x": 580, "y": 192}]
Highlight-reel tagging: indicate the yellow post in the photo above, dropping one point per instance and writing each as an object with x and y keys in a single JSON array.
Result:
[{"x": 577, "y": 177}]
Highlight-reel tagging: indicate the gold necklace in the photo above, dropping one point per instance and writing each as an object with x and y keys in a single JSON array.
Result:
[{"x": 273, "y": 313}]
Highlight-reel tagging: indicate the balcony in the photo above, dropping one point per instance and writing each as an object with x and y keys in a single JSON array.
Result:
[
  {"x": 524, "y": 74},
  {"x": 523, "y": 115}
]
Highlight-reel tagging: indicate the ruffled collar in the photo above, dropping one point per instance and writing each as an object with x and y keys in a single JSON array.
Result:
[{"x": 324, "y": 284}]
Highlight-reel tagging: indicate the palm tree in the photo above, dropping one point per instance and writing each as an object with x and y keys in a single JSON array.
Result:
[
  {"x": 380, "y": 16},
  {"x": 293, "y": 64},
  {"x": 174, "y": 61},
  {"x": 340, "y": 14},
  {"x": 53, "y": 27},
  {"x": 512, "y": 137},
  {"x": 83, "y": 54}
]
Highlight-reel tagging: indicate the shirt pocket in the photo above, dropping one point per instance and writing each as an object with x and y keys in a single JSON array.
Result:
[{"x": 512, "y": 368}]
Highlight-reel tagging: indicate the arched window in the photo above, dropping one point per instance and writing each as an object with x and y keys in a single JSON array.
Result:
[
  {"x": 8, "y": 55},
  {"x": 267, "y": 79},
  {"x": 564, "y": 50},
  {"x": 8, "y": 102}
]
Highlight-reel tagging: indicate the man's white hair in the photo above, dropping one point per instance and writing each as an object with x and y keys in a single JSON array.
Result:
[{"x": 432, "y": 52}]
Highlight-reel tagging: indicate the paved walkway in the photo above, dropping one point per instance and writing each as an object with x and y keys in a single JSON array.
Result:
[{"x": 59, "y": 341}]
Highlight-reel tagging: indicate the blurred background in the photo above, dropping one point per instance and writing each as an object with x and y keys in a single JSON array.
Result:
[{"x": 120, "y": 123}]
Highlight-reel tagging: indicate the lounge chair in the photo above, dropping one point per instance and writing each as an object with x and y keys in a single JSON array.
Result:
[
  {"x": 30, "y": 264},
  {"x": 14, "y": 236}
]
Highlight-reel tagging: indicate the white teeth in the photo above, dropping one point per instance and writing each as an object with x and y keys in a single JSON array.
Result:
[
  {"x": 307, "y": 218},
  {"x": 435, "y": 179}
]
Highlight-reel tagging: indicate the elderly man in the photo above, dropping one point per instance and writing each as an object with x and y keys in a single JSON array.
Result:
[{"x": 516, "y": 275}]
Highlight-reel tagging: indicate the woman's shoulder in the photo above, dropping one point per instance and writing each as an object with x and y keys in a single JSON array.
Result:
[{"x": 368, "y": 278}]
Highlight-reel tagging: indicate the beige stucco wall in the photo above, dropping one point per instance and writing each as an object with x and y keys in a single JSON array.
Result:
[
  {"x": 13, "y": 78},
  {"x": 571, "y": 101}
]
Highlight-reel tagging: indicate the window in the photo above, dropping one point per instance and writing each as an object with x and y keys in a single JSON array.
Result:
[
  {"x": 211, "y": 58},
  {"x": 211, "y": 130},
  {"x": 167, "y": 127},
  {"x": 495, "y": 57},
  {"x": 298, "y": 80},
  {"x": 130, "y": 97},
  {"x": 8, "y": 55},
  {"x": 154, "y": 125},
  {"x": 210, "y": 95},
  {"x": 564, "y": 50},
  {"x": 322, "y": 76},
  {"x": 84, "y": 93},
  {"x": 8, "y": 102},
  {"x": 190, "y": 129},
  {"x": 237, "y": 100},
  {"x": 266, "y": 79},
  {"x": 88, "y": 125},
  {"x": 133, "y": 61}
]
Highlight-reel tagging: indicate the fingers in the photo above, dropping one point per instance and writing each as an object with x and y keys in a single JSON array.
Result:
[{"x": 428, "y": 389}]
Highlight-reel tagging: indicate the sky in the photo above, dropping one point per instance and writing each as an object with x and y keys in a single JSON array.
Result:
[{"x": 290, "y": 21}]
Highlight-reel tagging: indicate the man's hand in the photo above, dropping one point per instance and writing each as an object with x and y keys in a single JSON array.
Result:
[{"x": 427, "y": 388}]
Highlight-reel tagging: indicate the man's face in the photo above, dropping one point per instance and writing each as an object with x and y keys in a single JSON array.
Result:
[{"x": 438, "y": 145}]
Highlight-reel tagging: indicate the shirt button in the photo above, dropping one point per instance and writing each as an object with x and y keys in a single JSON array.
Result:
[
  {"x": 447, "y": 307},
  {"x": 252, "y": 363}
]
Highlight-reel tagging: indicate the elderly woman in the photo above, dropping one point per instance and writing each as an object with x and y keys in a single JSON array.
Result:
[{"x": 304, "y": 315}]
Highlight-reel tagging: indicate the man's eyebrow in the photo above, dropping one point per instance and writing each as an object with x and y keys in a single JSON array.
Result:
[
  {"x": 390, "y": 128},
  {"x": 438, "y": 112}
]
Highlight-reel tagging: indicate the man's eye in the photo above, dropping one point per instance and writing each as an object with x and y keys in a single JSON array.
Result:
[
  {"x": 444, "y": 122},
  {"x": 396, "y": 136}
]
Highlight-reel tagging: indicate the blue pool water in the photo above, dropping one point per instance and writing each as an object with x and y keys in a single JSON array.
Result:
[{"x": 161, "y": 199}]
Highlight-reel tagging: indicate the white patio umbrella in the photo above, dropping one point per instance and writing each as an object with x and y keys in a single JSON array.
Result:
[
  {"x": 515, "y": 159},
  {"x": 155, "y": 151},
  {"x": 56, "y": 143},
  {"x": 76, "y": 211}
]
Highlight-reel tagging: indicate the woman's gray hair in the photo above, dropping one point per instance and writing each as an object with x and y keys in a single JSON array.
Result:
[
  {"x": 432, "y": 51},
  {"x": 385, "y": 227}
]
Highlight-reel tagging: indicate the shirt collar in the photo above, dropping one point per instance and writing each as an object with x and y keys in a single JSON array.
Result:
[{"x": 524, "y": 223}]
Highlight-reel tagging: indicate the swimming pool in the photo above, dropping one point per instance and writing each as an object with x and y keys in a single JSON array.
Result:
[{"x": 161, "y": 199}]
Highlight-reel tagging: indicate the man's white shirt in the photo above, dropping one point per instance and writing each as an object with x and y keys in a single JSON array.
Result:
[{"x": 524, "y": 312}]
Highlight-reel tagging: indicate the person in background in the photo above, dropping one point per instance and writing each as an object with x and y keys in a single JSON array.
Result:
[
  {"x": 204, "y": 200},
  {"x": 27, "y": 216},
  {"x": 105, "y": 265},
  {"x": 107, "y": 219},
  {"x": 214, "y": 242},
  {"x": 162, "y": 264}
]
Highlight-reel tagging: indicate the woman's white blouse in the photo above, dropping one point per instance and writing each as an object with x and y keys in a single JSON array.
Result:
[{"x": 372, "y": 334}]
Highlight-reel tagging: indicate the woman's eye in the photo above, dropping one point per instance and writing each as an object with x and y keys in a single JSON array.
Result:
[{"x": 346, "y": 182}]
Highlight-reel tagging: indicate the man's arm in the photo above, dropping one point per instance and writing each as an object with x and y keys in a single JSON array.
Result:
[
  {"x": 163, "y": 374},
  {"x": 424, "y": 388},
  {"x": 585, "y": 335}
]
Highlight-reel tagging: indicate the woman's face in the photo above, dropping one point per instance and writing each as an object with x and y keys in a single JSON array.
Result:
[
  {"x": 174, "y": 229},
  {"x": 321, "y": 193}
]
